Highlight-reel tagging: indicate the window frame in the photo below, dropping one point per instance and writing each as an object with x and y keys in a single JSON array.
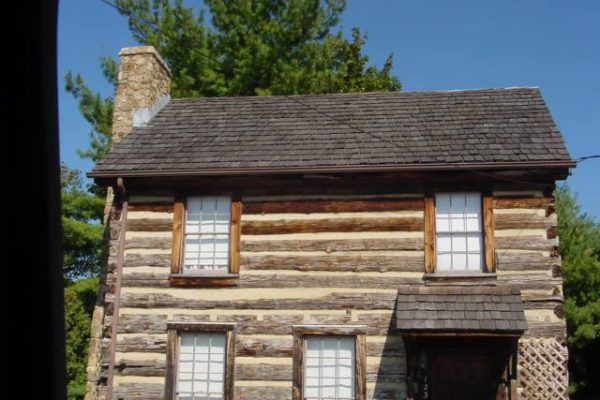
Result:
[
  {"x": 299, "y": 350},
  {"x": 176, "y": 277},
  {"x": 487, "y": 233},
  {"x": 173, "y": 332}
]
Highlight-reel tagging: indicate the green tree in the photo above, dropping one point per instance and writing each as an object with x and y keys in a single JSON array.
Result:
[
  {"x": 79, "y": 304},
  {"x": 260, "y": 47},
  {"x": 579, "y": 238},
  {"x": 82, "y": 233}
]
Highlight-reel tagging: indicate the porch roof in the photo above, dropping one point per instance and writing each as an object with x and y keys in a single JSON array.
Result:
[{"x": 465, "y": 308}]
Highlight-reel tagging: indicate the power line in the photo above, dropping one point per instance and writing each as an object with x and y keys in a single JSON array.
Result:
[
  {"x": 295, "y": 99},
  {"x": 580, "y": 159},
  {"x": 145, "y": 21}
]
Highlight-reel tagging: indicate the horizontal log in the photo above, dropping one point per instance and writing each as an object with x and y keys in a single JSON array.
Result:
[
  {"x": 546, "y": 329},
  {"x": 270, "y": 324},
  {"x": 524, "y": 261},
  {"x": 523, "y": 202},
  {"x": 555, "y": 303},
  {"x": 140, "y": 367},
  {"x": 250, "y": 347},
  {"x": 530, "y": 281},
  {"x": 324, "y": 206},
  {"x": 387, "y": 224},
  {"x": 148, "y": 243},
  {"x": 139, "y": 391},
  {"x": 378, "y": 324},
  {"x": 151, "y": 207},
  {"x": 526, "y": 243},
  {"x": 523, "y": 221},
  {"x": 333, "y": 301},
  {"x": 150, "y": 260},
  {"x": 263, "y": 392},
  {"x": 263, "y": 372},
  {"x": 134, "y": 323},
  {"x": 286, "y": 280},
  {"x": 333, "y": 245},
  {"x": 334, "y": 263},
  {"x": 150, "y": 225},
  {"x": 142, "y": 344}
]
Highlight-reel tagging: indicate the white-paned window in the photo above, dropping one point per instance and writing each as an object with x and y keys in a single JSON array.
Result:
[
  {"x": 201, "y": 368},
  {"x": 206, "y": 243},
  {"x": 458, "y": 228},
  {"x": 329, "y": 368}
]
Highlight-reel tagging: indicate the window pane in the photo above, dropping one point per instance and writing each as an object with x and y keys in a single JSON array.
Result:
[
  {"x": 444, "y": 243},
  {"x": 473, "y": 224},
  {"x": 442, "y": 204},
  {"x": 475, "y": 262},
  {"x": 329, "y": 367},
  {"x": 474, "y": 243},
  {"x": 444, "y": 262},
  {"x": 459, "y": 243},
  {"x": 201, "y": 371},
  {"x": 459, "y": 261},
  {"x": 473, "y": 204},
  {"x": 442, "y": 225},
  {"x": 457, "y": 224}
]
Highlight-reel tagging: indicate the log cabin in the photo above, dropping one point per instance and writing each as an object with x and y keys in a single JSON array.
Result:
[{"x": 343, "y": 246}]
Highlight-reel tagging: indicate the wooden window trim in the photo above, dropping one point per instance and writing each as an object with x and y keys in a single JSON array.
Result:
[
  {"x": 176, "y": 278},
  {"x": 487, "y": 210},
  {"x": 360, "y": 351},
  {"x": 173, "y": 330}
]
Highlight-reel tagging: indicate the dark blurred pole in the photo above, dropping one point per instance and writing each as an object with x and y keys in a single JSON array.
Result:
[{"x": 34, "y": 344}]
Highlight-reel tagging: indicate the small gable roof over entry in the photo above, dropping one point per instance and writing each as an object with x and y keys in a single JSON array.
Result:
[
  {"x": 325, "y": 132},
  {"x": 463, "y": 308}
]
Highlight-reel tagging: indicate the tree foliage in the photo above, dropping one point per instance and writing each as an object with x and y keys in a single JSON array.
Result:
[
  {"x": 580, "y": 251},
  {"x": 260, "y": 47},
  {"x": 82, "y": 233},
  {"x": 79, "y": 305}
]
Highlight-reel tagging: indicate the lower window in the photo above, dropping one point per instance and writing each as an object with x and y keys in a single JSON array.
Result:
[
  {"x": 200, "y": 361},
  {"x": 333, "y": 362},
  {"x": 329, "y": 371}
]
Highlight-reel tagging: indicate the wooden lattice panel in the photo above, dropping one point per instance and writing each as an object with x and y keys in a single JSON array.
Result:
[{"x": 543, "y": 371}]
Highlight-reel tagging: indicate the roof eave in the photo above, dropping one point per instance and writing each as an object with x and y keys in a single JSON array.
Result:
[{"x": 330, "y": 169}]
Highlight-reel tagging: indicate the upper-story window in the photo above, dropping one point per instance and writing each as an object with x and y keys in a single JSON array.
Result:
[
  {"x": 207, "y": 228},
  {"x": 206, "y": 232},
  {"x": 458, "y": 232}
]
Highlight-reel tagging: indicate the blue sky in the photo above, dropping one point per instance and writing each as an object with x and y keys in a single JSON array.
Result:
[{"x": 457, "y": 44}]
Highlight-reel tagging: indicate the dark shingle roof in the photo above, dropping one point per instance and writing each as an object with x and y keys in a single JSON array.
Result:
[
  {"x": 460, "y": 309},
  {"x": 342, "y": 130}
]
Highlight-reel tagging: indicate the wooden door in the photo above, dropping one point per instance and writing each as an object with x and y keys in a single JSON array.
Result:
[{"x": 462, "y": 375}]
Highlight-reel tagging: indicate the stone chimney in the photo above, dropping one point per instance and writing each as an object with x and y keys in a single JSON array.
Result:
[{"x": 143, "y": 89}]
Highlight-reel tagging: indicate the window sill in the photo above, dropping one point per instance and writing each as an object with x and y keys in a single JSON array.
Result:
[
  {"x": 204, "y": 280},
  {"x": 460, "y": 279}
]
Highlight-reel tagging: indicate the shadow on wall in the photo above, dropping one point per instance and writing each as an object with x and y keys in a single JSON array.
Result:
[{"x": 390, "y": 375}]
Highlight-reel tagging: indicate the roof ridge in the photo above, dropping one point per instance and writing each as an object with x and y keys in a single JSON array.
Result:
[{"x": 348, "y": 94}]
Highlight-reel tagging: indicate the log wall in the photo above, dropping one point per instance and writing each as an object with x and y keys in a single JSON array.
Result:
[{"x": 311, "y": 260}]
